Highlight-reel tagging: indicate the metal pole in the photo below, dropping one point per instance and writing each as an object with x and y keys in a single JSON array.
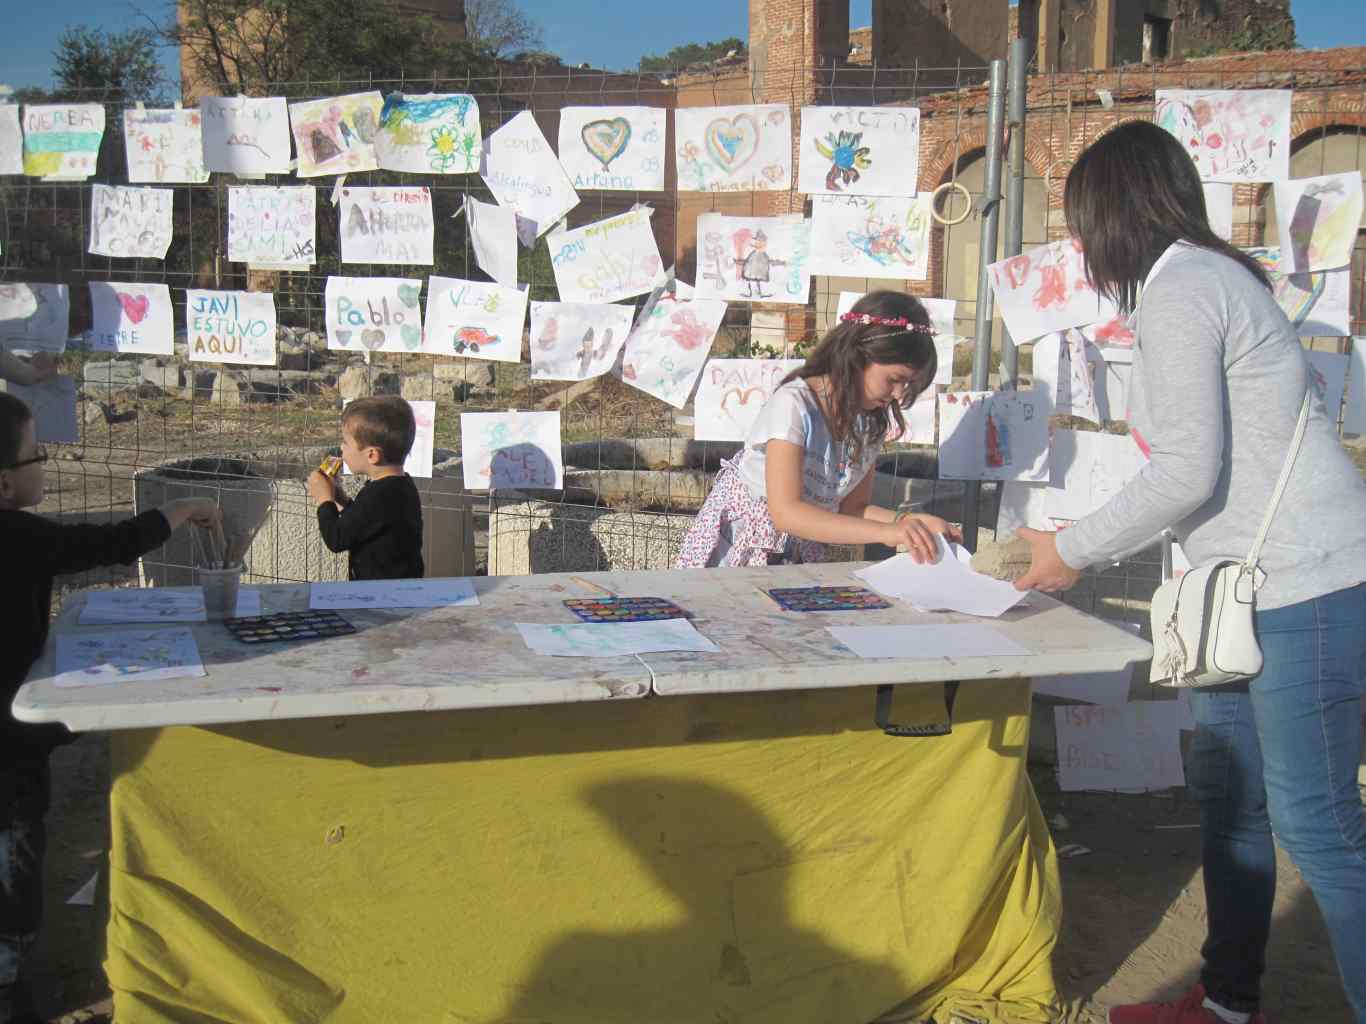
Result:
[
  {"x": 1015, "y": 125},
  {"x": 991, "y": 211}
]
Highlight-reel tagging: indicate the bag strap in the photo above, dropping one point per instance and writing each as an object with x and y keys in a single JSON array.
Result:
[{"x": 1250, "y": 565}]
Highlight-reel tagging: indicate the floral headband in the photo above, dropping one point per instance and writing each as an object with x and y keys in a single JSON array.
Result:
[{"x": 886, "y": 321}]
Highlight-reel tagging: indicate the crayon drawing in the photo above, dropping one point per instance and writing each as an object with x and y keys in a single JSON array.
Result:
[
  {"x": 576, "y": 340},
  {"x": 374, "y": 314},
  {"x": 476, "y": 319},
  {"x": 1317, "y": 303},
  {"x": 613, "y": 148},
  {"x": 230, "y": 327},
  {"x": 607, "y": 260},
  {"x": 336, "y": 135},
  {"x": 429, "y": 133},
  {"x": 1066, "y": 368},
  {"x": 387, "y": 225},
  {"x": 245, "y": 135},
  {"x": 1045, "y": 290},
  {"x": 753, "y": 259},
  {"x": 993, "y": 435},
  {"x": 131, "y": 317},
  {"x": 1317, "y": 220},
  {"x": 669, "y": 345},
  {"x": 733, "y": 149},
  {"x": 126, "y": 656},
  {"x": 62, "y": 141},
  {"x": 871, "y": 236},
  {"x": 1088, "y": 469},
  {"x": 1231, "y": 134},
  {"x": 272, "y": 228},
  {"x": 521, "y": 171},
  {"x": 508, "y": 450},
  {"x": 130, "y": 222},
  {"x": 164, "y": 146},
  {"x": 11, "y": 140},
  {"x": 34, "y": 317},
  {"x": 53, "y": 404},
  {"x": 731, "y": 392},
  {"x": 859, "y": 151}
]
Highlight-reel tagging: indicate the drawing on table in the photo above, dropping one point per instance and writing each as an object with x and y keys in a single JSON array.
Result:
[
  {"x": 576, "y": 340},
  {"x": 871, "y": 236},
  {"x": 53, "y": 406},
  {"x": 1317, "y": 303},
  {"x": 737, "y": 148},
  {"x": 34, "y": 317},
  {"x": 731, "y": 392},
  {"x": 374, "y": 314},
  {"x": 130, "y": 222},
  {"x": 387, "y": 225},
  {"x": 88, "y": 659},
  {"x": 1317, "y": 220},
  {"x": 429, "y": 133},
  {"x": 422, "y": 593},
  {"x": 613, "y": 639},
  {"x": 336, "y": 135},
  {"x": 62, "y": 141},
  {"x": 131, "y": 317},
  {"x": 272, "y": 228},
  {"x": 245, "y": 135},
  {"x": 230, "y": 327},
  {"x": 668, "y": 347},
  {"x": 164, "y": 146},
  {"x": 504, "y": 450},
  {"x": 143, "y": 604},
  {"x": 607, "y": 260},
  {"x": 753, "y": 259},
  {"x": 475, "y": 318},
  {"x": 1231, "y": 134}
]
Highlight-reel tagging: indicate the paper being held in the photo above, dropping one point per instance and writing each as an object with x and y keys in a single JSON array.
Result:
[{"x": 948, "y": 584}]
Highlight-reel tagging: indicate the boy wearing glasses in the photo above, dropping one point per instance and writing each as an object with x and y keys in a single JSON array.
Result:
[{"x": 38, "y": 549}]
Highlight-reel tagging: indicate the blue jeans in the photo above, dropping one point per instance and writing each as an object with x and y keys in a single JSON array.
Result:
[
  {"x": 24, "y": 795},
  {"x": 1280, "y": 754}
]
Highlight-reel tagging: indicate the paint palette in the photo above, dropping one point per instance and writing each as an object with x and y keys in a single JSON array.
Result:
[
  {"x": 827, "y": 599},
  {"x": 312, "y": 625},
  {"x": 624, "y": 609}
]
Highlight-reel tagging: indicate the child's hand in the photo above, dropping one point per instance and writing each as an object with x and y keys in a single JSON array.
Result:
[
  {"x": 919, "y": 535},
  {"x": 321, "y": 487},
  {"x": 199, "y": 511}
]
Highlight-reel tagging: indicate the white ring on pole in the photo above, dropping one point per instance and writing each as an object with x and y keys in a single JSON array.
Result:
[{"x": 934, "y": 203}]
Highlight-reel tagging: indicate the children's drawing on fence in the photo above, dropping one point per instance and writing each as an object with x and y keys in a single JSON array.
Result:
[
  {"x": 336, "y": 135},
  {"x": 121, "y": 656},
  {"x": 990, "y": 435},
  {"x": 62, "y": 140},
  {"x": 576, "y": 340},
  {"x": 1086, "y": 470},
  {"x": 387, "y": 225},
  {"x": 374, "y": 314},
  {"x": 429, "y": 133},
  {"x": 1219, "y": 208},
  {"x": 131, "y": 317},
  {"x": 1113, "y": 338},
  {"x": 244, "y": 135},
  {"x": 493, "y": 236},
  {"x": 272, "y": 228},
  {"x": 34, "y": 317},
  {"x": 1328, "y": 377},
  {"x": 753, "y": 259},
  {"x": 11, "y": 140},
  {"x": 871, "y": 236},
  {"x": 504, "y": 450},
  {"x": 230, "y": 327},
  {"x": 421, "y": 455},
  {"x": 164, "y": 146},
  {"x": 1066, "y": 370},
  {"x": 1317, "y": 303},
  {"x": 869, "y": 151},
  {"x": 523, "y": 174},
  {"x": 53, "y": 405},
  {"x": 607, "y": 260},
  {"x": 1232, "y": 134},
  {"x": 730, "y": 393},
  {"x": 473, "y": 318},
  {"x": 1317, "y": 220},
  {"x": 670, "y": 343},
  {"x": 1045, "y": 290},
  {"x": 613, "y": 148},
  {"x": 130, "y": 222},
  {"x": 733, "y": 149}
]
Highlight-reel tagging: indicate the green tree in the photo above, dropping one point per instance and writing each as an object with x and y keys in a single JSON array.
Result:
[
  {"x": 691, "y": 53},
  {"x": 112, "y": 66}
]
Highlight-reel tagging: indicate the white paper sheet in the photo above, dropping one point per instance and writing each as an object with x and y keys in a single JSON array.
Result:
[
  {"x": 11, "y": 140},
  {"x": 521, "y": 171},
  {"x": 1091, "y": 687},
  {"x": 143, "y": 604},
  {"x": 1045, "y": 290},
  {"x": 730, "y": 393},
  {"x": 248, "y": 603},
  {"x": 607, "y": 260},
  {"x": 511, "y": 450},
  {"x": 85, "y": 895},
  {"x": 1070, "y": 369},
  {"x": 1219, "y": 208},
  {"x": 130, "y": 222},
  {"x": 245, "y": 135},
  {"x": 272, "y": 227},
  {"x": 62, "y": 140},
  {"x": 164, "y": 146},
  {"x": 53, "y": 405},
  {"x": 864, "y": 151},
  {"x": 374, "y": 314},
  {"x": 1126, "y": 748},
  {"x": 429, "y": 133},
  {"x": 1022, "y": 504},
  {"x": 871, "y": 236},
  {"x": 951, "y": 640},
  {"x": 613, "y": 148},
  {"x": 1231, "y": 134},
  {"x": 1087, "y": 470},
  {"x": 1328, "y": 377},
  {"x": 428, "y": 593},
  {"x": 949, "y": 584},
  {"x": 126, "y": 656},
  {"x": 993, "y": 435},
  {"x": 576, "y": 340},
  {"x": 733, "y": 149},
  {"x": 230, "y": 327},
  {"x": 132, "y": 317},
  {"x": 614, "y": 639},
  {"x": 34, "y": 317},
  {"x": 753, "y": 259},
  {"x": 1317, "y": 220},
  {"x": 477, "y": 319},
  {"x": 920, "y": 418},
  {"x": 336, "y": 134},
  {"x": 493, "y": 235},
  {"x": 387, "y": 225},
  {"x": 1317, "y": 303},
  {"x": 1354, "y": 415},
  {"x": 420, "y": 456},
  {"x": 669, "y": 344}
]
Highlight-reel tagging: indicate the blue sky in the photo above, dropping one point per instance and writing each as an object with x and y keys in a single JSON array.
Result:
[{"x": 636, "y": 29}]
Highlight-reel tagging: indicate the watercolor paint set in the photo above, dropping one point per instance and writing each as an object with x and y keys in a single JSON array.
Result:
[
  {"x": 312, "y": 625},
  {"x": 624, "y": 609},
  {"x": 827, "y": 599}
]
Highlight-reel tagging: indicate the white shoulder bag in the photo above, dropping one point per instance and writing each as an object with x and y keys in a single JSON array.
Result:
[{"x": 1202, "y": 622}]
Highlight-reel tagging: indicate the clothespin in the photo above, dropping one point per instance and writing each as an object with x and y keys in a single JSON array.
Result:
[{"x": 337, "y": 189}]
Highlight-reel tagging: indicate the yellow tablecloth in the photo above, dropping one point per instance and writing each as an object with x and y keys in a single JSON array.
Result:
[{"x": 755, "y": 858}]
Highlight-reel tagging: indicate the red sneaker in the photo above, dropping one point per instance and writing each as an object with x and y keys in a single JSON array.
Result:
[{"x": 1189, "y": 1009}]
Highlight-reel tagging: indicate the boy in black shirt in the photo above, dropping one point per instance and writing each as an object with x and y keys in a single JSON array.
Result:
[
  {"x": 382, "y": 526},
  {"x": 36, "y": 550}
]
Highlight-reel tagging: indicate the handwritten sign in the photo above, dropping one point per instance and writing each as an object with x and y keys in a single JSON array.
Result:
[
  {"x": 130, "y": 222},
  {"x": 374, "y": 314},
  {"x": 613, "y": 148},
  {"x": 993, "y": 435},
  {"x": 731, "y": 392},
  {"x": 1045, "y": 290},
  {"x": 753, "y": 259},
  {"x": 272, "y": 227},
  {"x": 336, "y": 135},
  {"x": 34, "y": 317},
  {"x": 387, "y": 225},
  {"x": 1231, "y": 134},
  {"x": 859, "y": 151},
  {"x": 476, "y": 319},
  {"x": 62, "y": 141},
  {"x": 871, "y": 236},
  {"x": 11, "y": 140},
  {"x": 1123, "y": 748},
  {"x": 230, "y": 327},
  {"x": 131, "y": 317},
  {"x": 245, "y": 135},
  {"x": 607, "y": 260},
  {"x": 430, "y": 133},
  {"x": 668, "y": 347},
  {"x": 164, "y": 146},
  {"x": 576, "y": 340},
  {"x": 53, "y": 405},
  {"x": 522, "y": 173},
  {"x": 734, "y": 149},
  {"x": 511, "y": 450}
]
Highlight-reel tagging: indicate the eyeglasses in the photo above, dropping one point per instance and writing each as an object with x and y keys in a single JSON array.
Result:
[{"x": 39, "y": 456}]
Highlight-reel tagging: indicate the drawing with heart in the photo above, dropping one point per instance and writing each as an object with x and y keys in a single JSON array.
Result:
[
  {"x": 408, "y": 294},
  {"x": 372, "y": 338},
  {"x": 731, "y": 142},
  {"x": 606, "y": 140},
  {"x": 134, "y": 306}
]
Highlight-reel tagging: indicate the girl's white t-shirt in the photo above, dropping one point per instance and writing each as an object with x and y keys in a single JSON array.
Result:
[{"x": 793, "y": 414}]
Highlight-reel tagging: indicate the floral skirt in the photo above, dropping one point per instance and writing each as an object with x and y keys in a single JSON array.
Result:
[{"x": 732, "y": 513}]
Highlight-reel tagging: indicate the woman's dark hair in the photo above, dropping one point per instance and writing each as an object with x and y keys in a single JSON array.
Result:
[
  {"x": 1131, "y": 194},
  {"x": 14, "y": 416},
  {"x": 847, "y": 349},
  {"x": 385, "y": 423}
]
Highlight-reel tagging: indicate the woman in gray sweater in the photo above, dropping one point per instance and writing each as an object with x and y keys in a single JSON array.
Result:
[{"x": 1219, "y": 378}]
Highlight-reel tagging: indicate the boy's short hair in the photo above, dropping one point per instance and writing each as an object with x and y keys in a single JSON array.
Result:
[
  {"x": 383, "y": 423},
  {"x": 14, "y": 416}
]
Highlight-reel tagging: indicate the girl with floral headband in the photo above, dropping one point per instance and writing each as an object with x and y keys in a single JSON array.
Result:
[{"x": 804, "y": 477}]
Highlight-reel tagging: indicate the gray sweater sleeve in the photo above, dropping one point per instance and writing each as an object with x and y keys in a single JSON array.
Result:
[{"x": 1182, "y": 327}]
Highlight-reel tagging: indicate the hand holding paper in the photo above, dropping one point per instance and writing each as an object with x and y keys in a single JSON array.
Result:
[{"x": 947, "y": 584}]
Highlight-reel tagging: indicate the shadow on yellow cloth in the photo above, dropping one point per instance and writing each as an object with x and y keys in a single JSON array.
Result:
[{"x": 757, "y": 858}]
